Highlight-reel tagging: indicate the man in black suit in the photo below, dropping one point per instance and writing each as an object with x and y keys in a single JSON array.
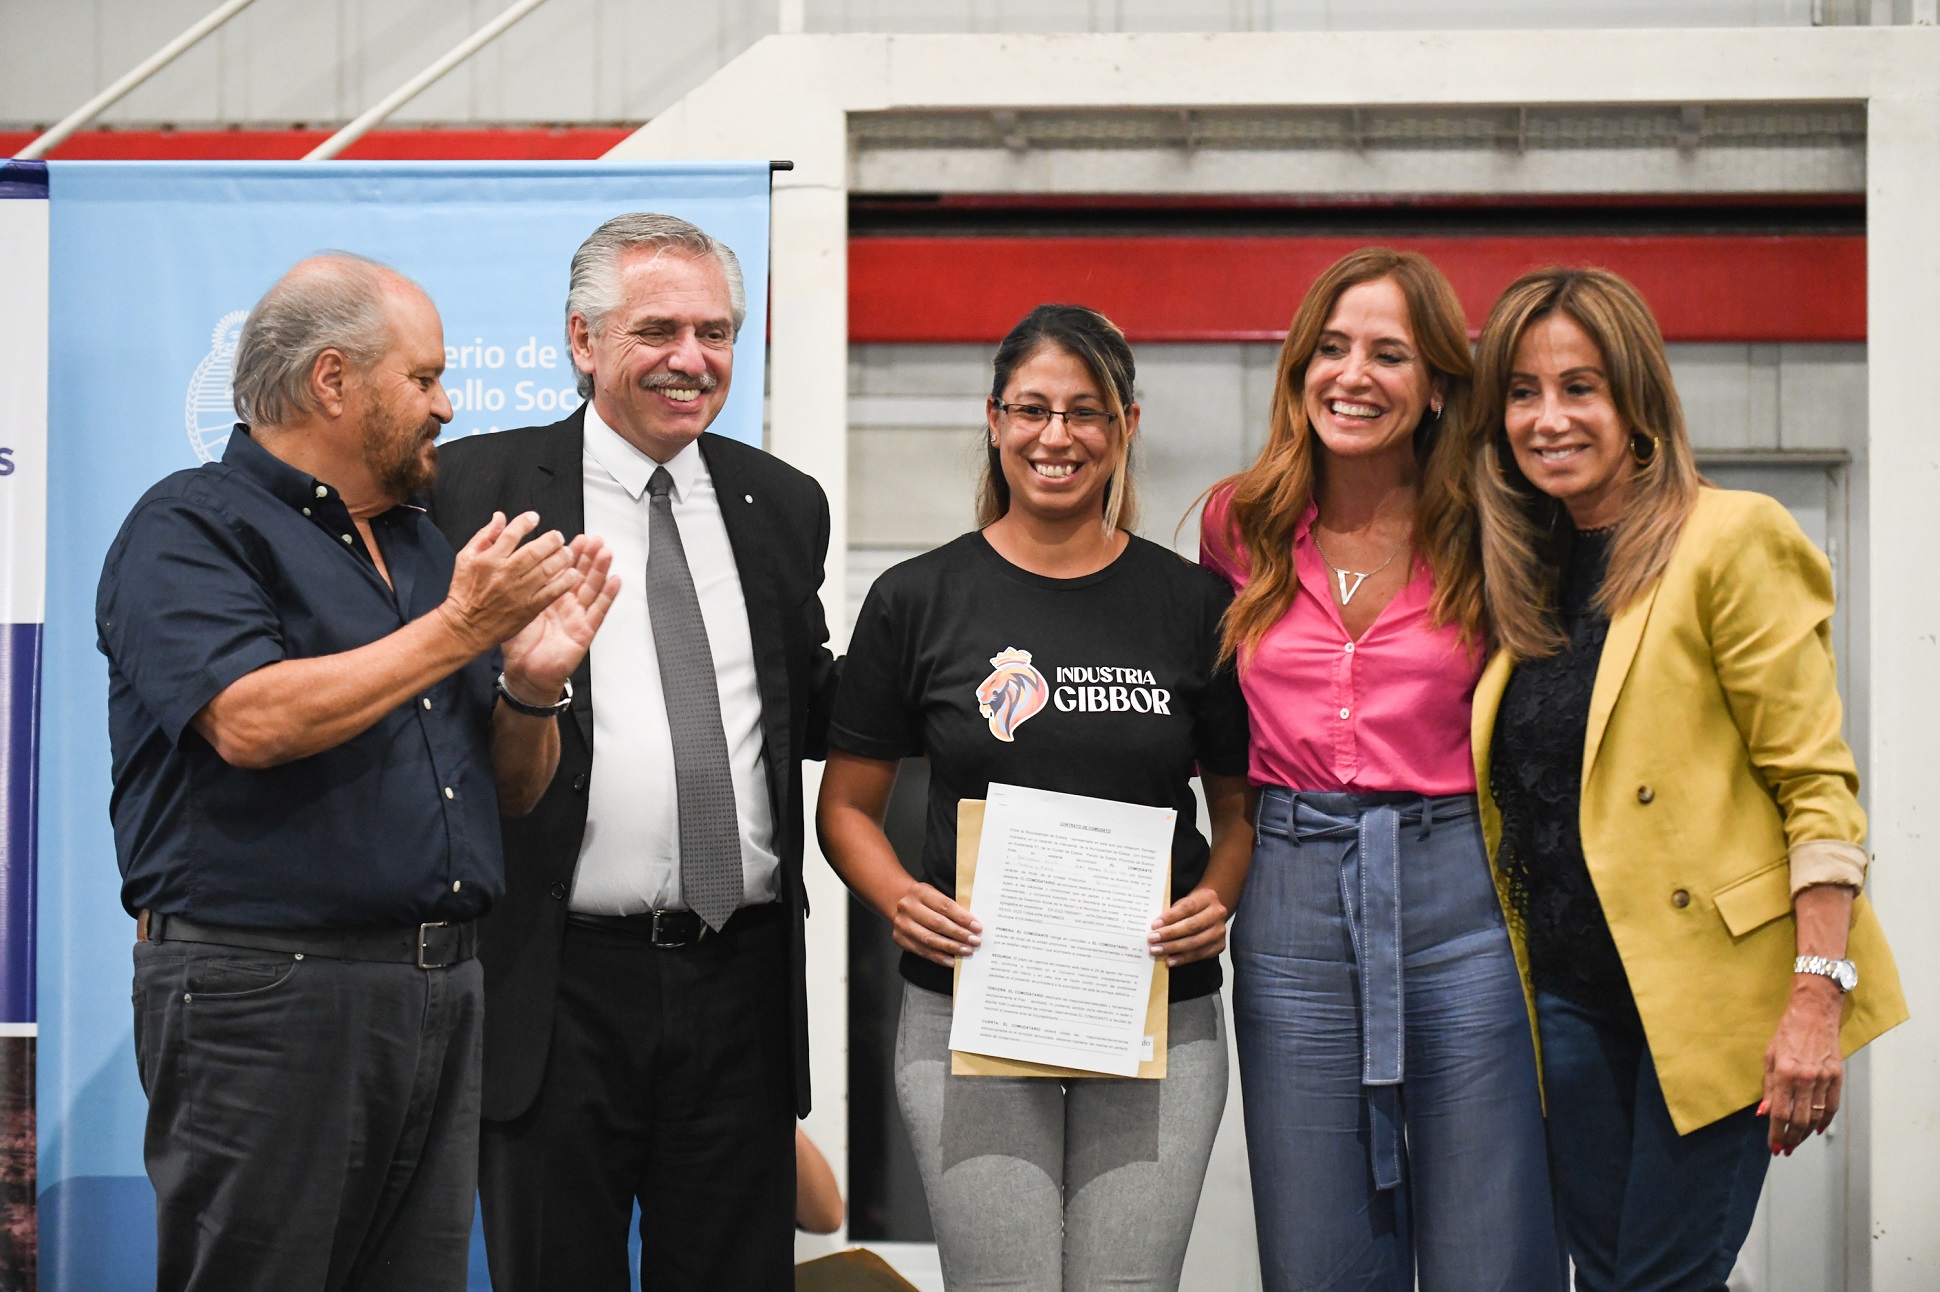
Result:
[{"x": 646, "y": 1017}]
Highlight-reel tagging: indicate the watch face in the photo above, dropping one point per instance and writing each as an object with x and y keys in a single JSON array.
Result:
[{"x": 1845, "y": 975}]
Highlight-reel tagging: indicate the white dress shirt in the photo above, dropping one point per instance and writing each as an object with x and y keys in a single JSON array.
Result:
[{"x": 629, "y": 859}]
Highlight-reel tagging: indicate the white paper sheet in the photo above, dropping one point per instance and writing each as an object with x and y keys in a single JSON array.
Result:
[{"x": 1067, "y": 889}]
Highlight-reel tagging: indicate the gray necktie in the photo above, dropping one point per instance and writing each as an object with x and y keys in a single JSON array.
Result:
[{"x": 710, "y": 831}]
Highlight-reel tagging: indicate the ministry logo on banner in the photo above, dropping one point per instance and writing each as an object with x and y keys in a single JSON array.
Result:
[{"x": 210, "y": 410}]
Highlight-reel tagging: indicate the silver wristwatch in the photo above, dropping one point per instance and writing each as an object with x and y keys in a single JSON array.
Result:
[{"x": 1840, "y": 971}]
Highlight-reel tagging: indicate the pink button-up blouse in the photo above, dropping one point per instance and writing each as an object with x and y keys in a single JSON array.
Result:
[{"x": 1387, "y": 712}]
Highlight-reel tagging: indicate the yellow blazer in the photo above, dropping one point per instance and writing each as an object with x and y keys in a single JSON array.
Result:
[{"x": 1716, "y": 783}]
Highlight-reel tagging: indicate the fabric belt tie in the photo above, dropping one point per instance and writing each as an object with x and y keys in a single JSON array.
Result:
[{"x": 1371, "y": 897}]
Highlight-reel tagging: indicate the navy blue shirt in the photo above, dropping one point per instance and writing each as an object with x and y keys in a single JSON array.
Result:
[{"x": 238, "y": 564}]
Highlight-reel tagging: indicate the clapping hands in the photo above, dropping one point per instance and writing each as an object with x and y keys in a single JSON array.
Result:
[{"x": 543, "y": 600}]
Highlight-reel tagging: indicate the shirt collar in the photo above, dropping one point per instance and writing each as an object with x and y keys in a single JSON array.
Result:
[
  {"x": 1304, "y": 526},
  {"x": 299, "y": 489},
  {"x": 632, "y": 468}
]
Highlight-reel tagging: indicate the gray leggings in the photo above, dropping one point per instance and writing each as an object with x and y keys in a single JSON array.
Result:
[{"x": 1039, "y": 1185}]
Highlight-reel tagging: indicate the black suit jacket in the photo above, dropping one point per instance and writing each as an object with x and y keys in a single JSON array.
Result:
[{"x": 778, "y": 525}]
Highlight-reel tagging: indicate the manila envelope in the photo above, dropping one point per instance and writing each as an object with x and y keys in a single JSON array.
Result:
[{"x": 962, "y": 1064}]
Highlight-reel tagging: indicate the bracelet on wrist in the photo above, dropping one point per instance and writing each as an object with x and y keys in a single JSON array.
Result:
[{"x": 516, "y": 705}]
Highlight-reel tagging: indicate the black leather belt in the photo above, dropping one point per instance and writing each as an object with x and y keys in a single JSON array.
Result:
[
  {"x": 435, "y": 945},
  {"x": 674, "y": 928}
]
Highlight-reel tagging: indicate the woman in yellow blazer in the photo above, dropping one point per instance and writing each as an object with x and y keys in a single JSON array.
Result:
[{"x": 1668, "y": 802}]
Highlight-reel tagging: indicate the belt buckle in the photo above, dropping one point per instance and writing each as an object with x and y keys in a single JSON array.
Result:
[
  {"x": 423, "y": 929},
  {"x": 653, "y": 931}
]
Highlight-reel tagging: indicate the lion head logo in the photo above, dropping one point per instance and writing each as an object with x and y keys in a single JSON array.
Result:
[{"x": 1012, "y": 693}]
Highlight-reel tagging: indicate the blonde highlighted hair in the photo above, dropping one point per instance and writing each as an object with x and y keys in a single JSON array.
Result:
[
  {"x": 1095, "y": 341},
  {"x": 1525, "y": 533},
  {"x": 1265, "y": 502}
]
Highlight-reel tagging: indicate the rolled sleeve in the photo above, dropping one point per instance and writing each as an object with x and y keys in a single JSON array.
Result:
[
  {"x": 1827, "y": 861},
  {"x": 182, "y": 612}
]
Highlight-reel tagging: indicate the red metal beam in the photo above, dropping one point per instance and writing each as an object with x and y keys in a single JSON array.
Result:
[
  {"x": 1725, "y": 287},
  {"x": 492, "y": 143},
  {"x": 1702, "y": 288}
]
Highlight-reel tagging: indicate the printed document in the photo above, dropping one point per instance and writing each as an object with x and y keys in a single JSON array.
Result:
[{"x": 1067, "y": 888}]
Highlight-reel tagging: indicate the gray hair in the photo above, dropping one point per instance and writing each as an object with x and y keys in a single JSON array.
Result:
[
  {"x": 332, "y": 301},
  {"x": 594, "y": 289}
]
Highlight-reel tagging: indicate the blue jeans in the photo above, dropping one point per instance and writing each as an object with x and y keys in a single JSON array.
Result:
[
  {"x": 1643, "y": 1208},
  {"x": 1393, "y": 1124}
]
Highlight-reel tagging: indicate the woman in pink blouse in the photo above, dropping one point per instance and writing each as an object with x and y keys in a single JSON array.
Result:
[{"x": 1393, "y": 1123}]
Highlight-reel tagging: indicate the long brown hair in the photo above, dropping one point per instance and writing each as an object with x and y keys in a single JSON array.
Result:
[
  {"x": 1266, "y": 501},
  {"x": 1095, "y": 341},
  {"x": 1525, "y": 532}
]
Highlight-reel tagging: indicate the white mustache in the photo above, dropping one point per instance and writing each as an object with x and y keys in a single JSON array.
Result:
[{"x": 701, "y": 381}]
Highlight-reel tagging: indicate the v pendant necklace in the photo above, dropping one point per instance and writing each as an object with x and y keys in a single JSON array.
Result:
[{"x": 1347, "y": 590}]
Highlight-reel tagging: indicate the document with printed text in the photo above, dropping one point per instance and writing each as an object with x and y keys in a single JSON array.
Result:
[{"x": 1067, "y": 888}]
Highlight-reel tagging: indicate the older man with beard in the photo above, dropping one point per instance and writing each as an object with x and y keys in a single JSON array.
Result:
[{"x": 318, "y": 713}]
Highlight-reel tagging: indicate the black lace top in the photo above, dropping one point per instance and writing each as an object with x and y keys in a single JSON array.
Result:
[{"x": 1536, "y": 775}]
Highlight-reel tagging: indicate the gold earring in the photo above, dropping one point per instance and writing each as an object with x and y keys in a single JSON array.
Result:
[{"x": 1643, "y": 448}]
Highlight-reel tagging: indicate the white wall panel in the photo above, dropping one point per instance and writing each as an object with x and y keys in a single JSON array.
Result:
[
  {"x": 322, "y": 61},
  {"x": 395, "y": 39},
  {"x": 282, "y": 63},
  {"x": 1193, "y": 432},
  {"x": 668, "y": 48},
  {"x": 1730, "y": 394},
  {"x": 1822, "y": 393},
  {"x": 121, "y": 35},
  {"x": 549, "y": 73},
  {"x": 46, "y": 55}
]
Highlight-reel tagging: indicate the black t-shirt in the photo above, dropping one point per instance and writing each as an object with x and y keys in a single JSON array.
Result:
[{"x": 1102, "y": 685}]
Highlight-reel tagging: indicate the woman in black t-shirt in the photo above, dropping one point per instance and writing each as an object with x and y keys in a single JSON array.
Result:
[{"x": 1050, "y": 649}]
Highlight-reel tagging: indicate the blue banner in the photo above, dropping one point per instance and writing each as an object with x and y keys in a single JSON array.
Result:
[
  {"x": 23, "y": 536},
  {"x": 151, "y": 269}
]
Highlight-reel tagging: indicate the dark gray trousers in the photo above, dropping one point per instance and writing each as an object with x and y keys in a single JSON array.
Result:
[{"x": 312, "y": 1123}]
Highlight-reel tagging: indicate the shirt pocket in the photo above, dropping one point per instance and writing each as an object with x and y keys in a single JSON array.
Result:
[{"x": 1757, "y": 899}]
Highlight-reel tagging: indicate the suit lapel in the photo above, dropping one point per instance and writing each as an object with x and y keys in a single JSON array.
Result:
[
  {"x": 749, "y": 536},
  {"x": 1488, "y": 698},
  {"x": 559, "y": 478},
  {"x": 1613, "y": 669},
  {"x": 558, "y": 494}
]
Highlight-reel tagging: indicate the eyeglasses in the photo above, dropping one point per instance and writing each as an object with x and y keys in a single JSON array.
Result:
[{"x": 1035, "y": 417}]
